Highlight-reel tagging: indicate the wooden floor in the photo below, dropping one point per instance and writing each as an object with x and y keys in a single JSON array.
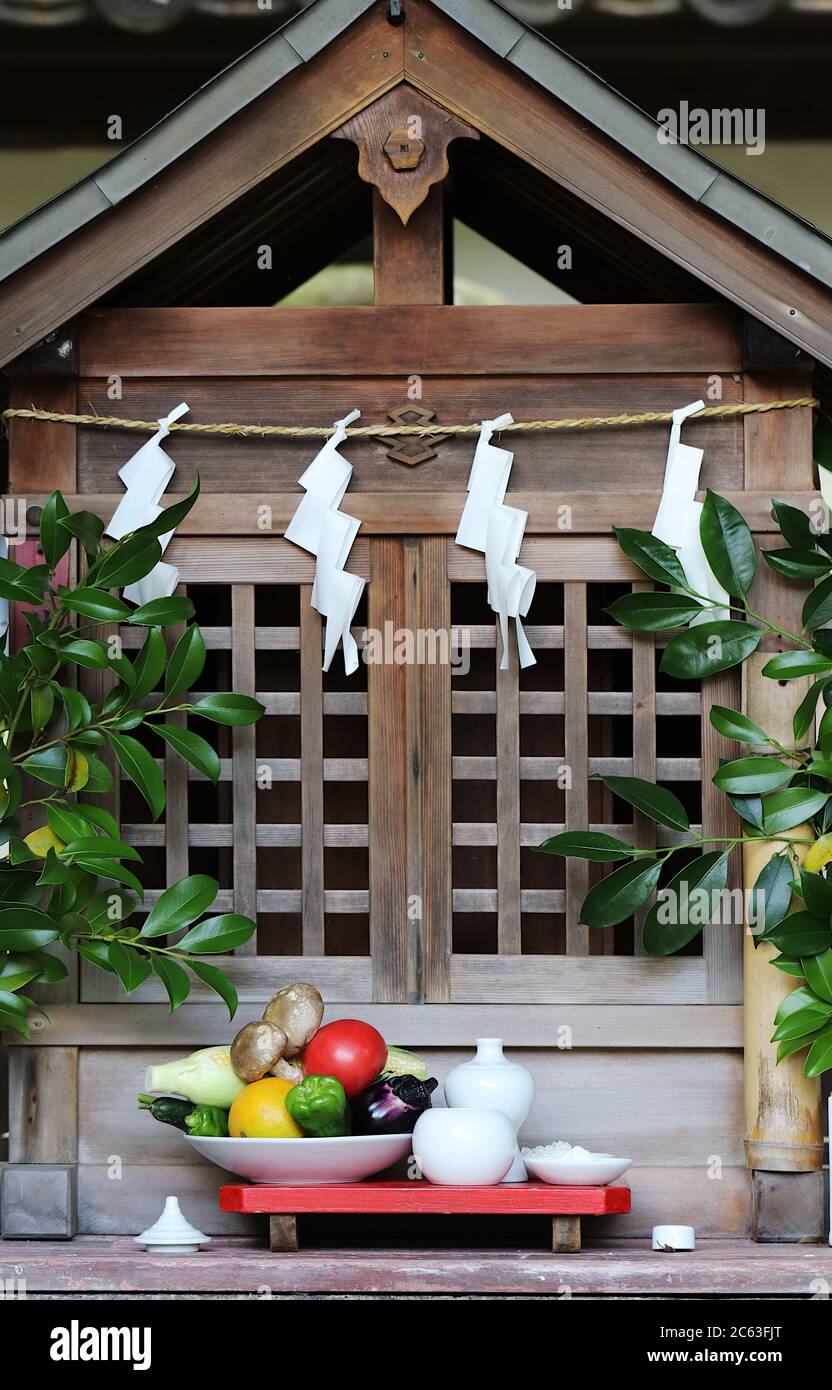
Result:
[{"x": 95, "y": 1264}]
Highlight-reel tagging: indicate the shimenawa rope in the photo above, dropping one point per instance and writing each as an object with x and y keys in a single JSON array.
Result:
[{"x": 589, "y": 422}]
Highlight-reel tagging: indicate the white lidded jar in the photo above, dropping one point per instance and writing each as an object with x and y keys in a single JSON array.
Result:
[{"x": 491, "y": 1082}]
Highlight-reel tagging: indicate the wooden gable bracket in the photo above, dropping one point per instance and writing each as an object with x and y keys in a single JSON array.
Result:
[{"x": 402, "y": 141}]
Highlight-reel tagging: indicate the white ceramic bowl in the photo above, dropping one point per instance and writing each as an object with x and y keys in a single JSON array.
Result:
[
  {"x": 595, "y": 1172},
  {"x": 467, "y": 1147},
  {"x": 307, "y": 1161}
]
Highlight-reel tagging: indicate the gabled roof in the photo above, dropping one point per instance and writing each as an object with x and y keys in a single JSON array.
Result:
[{"x": 523, "y": 52}]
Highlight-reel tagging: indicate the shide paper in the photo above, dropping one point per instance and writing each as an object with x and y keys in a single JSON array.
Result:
[
  {"x": 146, "y": 476},
  {"x": 677, "y": 520},
  {"x": 496, "y": 530},
  {"x": 327, "y": 533}
]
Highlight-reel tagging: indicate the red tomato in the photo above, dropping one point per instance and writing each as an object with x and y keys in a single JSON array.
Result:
[{"x": 349, "y": 1050}]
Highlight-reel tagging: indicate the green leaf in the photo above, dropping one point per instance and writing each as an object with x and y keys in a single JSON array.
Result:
[
  {"x": 804, "y": 565},
  {"x": 137, "y": 764},
  {"x": 816, "y": 892},
  {"x": 77, "y": 707},
  {"x": 803, "y": 1023},
  {"x": 98, "y": 604},
  {"x": 93, "y": 655},
  {"x": 100, "y": 778},
  {"x": 216, "y": 980},
  {"x": 131, "y": 967},
  {"x": 48, "y": 765},
  {"x": 620, "y": 894},
  {"x": 656, "y": 802},
  {"x": 228, "y": 708},
  {"x": 805, "y": 712},
  {"x": 653, "y": 612},
  {"x": 651, "y": 555},
  {"x": 174, "y": 979},
  {"x": 42, "y": 704},
  {"x": 801, "y": 934},
  {"x": 180, "y": 905},
  {"x": 128, "y": 561},
  {"x": 735, "y": 725},
  {"x": 186, "y": 662},
  {"x": 86, "y": 844},
  {"x": 97, "y": 953},
  {"x": 817, "y": 971},
  {"x": 77, "y": 773},
  {"x": 192, "y": 747},
  {"x": 820, "y": 1055},
  {"x": 795, "y": 525},
  {"x": 790, "y": 965},
  {"x": 744, "y": 776},
  {"x": 98, "y": 816},
  {"x": 728, "y": 544},
  {"x": 771, "y": 896},
  {"x": 586, "y": 844},
  {"x": 24, "y": 927},
  {"x": 108, "y": 909},
  {"x": 109, "y": 868},
  {"x": 17, "y": 971},
  {"x": 787, "y": 666},
  {"x": 796, "y": 1000},
  {"x": 161, "y": 612},
  {"x": 685, "y": 905},
  {"x": 88, "y": 528},
  {"x": 54, "y": 540},
  {"x": 708, "y": 648},
  {"x": 817, "y": 609},
  {"x": 52, "y": 968},
  {"x": 149, "y": 665},
  {"x": 170, "y": 517},
  {"x": 13, "y": 1014},
  {"x": 790, "y": 806},
  {"x": 216, "y": 935}
]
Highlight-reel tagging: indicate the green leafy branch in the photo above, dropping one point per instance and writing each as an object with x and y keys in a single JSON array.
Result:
[
  {"x": 66, "y": 882},
  {"x": 775, "y": 789}
]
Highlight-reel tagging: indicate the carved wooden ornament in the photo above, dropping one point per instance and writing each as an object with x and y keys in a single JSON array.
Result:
[
  {"x": 410, "y": 448},
  {"x": 403, "y": 141}
]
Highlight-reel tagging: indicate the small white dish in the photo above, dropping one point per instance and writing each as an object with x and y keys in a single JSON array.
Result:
[
  {"x": 469, "y": 1148},
  {"x": 598, "y": 1171},
  {"x": 348, "y": 1158}
]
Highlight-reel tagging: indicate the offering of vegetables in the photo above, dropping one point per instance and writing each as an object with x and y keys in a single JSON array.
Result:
[
  {"x": 319, "y": 1105},
  {"x": 348, "y": 1049},
  {"x": 206, "y": 1077},
  {"x": 206, "y": 1121},
  {"x": 392, "y": 1105}
]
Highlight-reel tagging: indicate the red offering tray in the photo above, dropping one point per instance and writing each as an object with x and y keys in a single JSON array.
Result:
[{"x": 285, "y": 1202}]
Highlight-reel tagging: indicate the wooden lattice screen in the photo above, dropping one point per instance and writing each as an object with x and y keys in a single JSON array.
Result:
[{"x": 295, "y": 835}]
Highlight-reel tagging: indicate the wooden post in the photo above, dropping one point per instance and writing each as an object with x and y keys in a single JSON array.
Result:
[
  {"x": 566, "y": 1235},
  {"x": 283, "y": 1234},
  {"x": 784, "y": 1135}
]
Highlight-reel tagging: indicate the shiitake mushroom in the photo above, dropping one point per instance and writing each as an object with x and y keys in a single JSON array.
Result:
[
  {"x": 257, "y": 1048},
  {"x": 297, "y": 1010}
]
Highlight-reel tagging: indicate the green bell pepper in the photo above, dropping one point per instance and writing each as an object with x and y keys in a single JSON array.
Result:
[{"x": 319, "y": 1105}]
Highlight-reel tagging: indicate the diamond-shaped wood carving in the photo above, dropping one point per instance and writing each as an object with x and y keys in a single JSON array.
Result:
[
  {"x": 410, "y": 448},
  {"x": 404, "y": 118}
]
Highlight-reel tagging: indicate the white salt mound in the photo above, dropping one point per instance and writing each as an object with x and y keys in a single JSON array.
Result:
[{"x": 567, "y": 1153}]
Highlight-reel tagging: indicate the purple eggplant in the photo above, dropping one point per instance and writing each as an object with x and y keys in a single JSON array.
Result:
[{"x": 392, "y": 1105}]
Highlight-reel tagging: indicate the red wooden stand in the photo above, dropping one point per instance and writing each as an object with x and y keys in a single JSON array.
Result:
[{"x": 565, "y": 1205}]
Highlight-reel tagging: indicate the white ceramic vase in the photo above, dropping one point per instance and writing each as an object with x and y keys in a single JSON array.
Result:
[
  {"x": 491, "y": 1082},
  {"x": 468, "y": 1147}
]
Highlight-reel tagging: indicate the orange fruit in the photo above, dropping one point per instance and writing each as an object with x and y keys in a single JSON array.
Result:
[{"x": 259, "y": 1112}]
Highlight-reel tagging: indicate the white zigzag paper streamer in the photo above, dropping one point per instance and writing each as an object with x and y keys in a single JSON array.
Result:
[
  {"x": 146, "y": 476},
  {"x": 496, "y": 530},
  {"x": 319, "y": 527},
  {"x": 677, "y": 520}
]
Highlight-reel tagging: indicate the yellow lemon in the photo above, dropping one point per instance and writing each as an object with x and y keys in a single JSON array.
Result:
[
  {"x": 43, "y": 839},
  {"x": 818, "y": 854},
  {"x": 259, "y": 1112}
]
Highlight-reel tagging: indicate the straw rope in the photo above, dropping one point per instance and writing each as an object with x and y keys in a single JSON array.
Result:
[{"x": 589, "y": 422}]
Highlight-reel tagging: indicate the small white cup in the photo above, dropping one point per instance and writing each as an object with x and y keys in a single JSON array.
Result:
[{"x": 674, "y": 1238}]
